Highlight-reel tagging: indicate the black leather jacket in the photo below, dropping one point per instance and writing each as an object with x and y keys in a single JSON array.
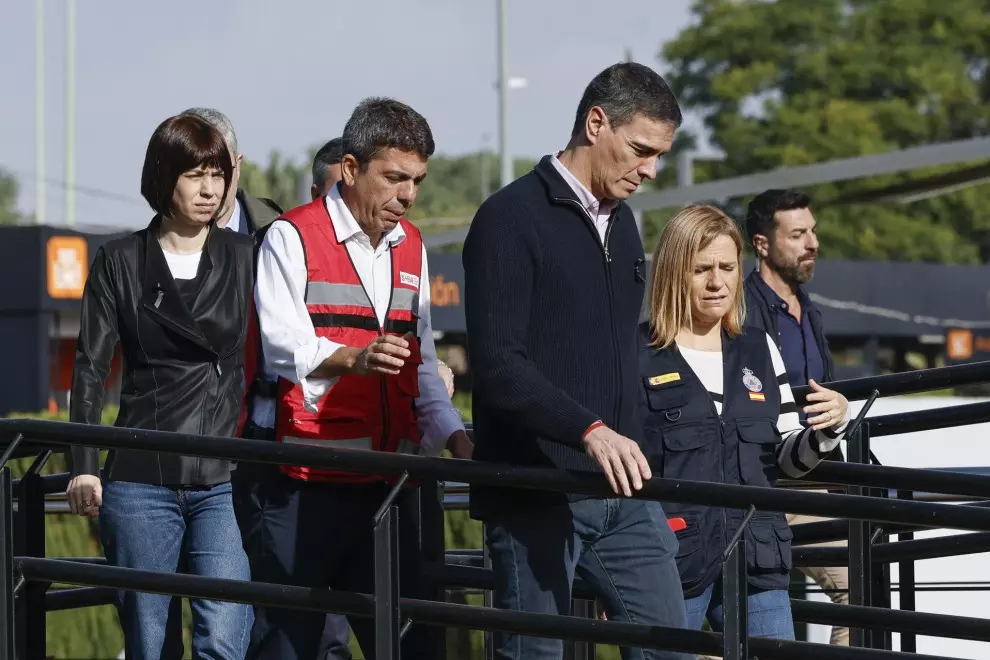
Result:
[{"x": 183, "y": 367}]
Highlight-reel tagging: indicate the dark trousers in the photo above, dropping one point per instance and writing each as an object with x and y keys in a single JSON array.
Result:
[
  {"x": 321, "y": 535},
  {"x": 613, "y": 544},
  {"x": 250, "y": 483}
]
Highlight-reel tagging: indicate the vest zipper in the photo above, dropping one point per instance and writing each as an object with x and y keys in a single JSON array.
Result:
[{"x": 603, "y": 244}]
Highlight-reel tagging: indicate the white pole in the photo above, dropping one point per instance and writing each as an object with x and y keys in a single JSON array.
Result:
[
  {"x": 70, "y": 112},
  {"x": 39, "y": 111},
  {"x": 503, "y": 99}
]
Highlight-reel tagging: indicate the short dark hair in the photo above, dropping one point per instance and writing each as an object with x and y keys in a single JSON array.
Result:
[
  {"x": 626, "y": 90},
  {"x": 329, "y": 154},
  {"x": 382, "y": 123},
  {"x": 761, "y": 212},
  {"x": 179, "y": 144}
]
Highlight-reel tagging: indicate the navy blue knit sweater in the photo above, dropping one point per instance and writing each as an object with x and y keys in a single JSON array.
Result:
[{"x": 552, "y": 319}]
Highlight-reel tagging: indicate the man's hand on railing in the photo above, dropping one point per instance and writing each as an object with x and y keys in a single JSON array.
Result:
[
  {"x": 85, "y": 494},
  {"x": 621, "y": 459},
  {"x": 460, "y": 445}
]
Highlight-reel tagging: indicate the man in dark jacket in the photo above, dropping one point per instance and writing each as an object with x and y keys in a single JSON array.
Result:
[
  {"x": 554, "y": 283},
  {"x": 781, "y": 230},
  {"x": 242, "y": 212}
]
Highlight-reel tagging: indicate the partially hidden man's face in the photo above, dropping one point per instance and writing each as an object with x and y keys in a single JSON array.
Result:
[
  {"x": 197, "y": 195},
  {"x": 793, "y": 249},
  {"x": 627, "y": 155},
  {"x": 235, "y": 180},
  {"x": 333, "y": 176},
  {"x": 385, "y": 189}
]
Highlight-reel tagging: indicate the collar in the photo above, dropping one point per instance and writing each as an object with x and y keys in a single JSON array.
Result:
[
  {"x": 236, "y": 218},
  {"x": 591, "y": 204},
  {"x": 346, "y": 227},
  {"x": 772, "y": 297}
]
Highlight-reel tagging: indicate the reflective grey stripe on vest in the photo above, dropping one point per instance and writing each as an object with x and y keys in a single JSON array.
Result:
[
  {"x": 406, "y": 300},
  {"x": 407, "y": 447},
  {"x": 328, "y": 293},
  {"x": 353, "y": 443}
]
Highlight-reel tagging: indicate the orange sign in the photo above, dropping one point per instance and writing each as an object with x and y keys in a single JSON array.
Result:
[
  {"x": 68, "y": 265},
  {"x": 444, "y": 293},
  {"x": 959, "y": 344}
]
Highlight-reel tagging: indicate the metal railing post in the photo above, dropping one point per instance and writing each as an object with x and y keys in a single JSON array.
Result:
[
  {"x": 905, "y": 572},
  {"x": 433, "y": 543},
  {"x": 35, "y": 621},
  {"x": 9, "y": 451},
  {"x": 388, "y": 631},
  {"x": 30, "y": 605},
  {"x": 7, "y": 619},
  {"x": 860, "y": 532},
  {"x": 735, "y": 594},
  {"x": 489, "y": 640}
]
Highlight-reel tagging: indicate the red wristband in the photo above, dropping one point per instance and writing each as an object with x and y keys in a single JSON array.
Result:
[{"x": 592, "y": 428}]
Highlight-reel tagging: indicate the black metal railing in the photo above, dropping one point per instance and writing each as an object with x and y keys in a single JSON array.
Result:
[{"x": 881, "y": 503}]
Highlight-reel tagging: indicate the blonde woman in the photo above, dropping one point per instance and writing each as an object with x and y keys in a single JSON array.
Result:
[{"x": 718, "y": 407}]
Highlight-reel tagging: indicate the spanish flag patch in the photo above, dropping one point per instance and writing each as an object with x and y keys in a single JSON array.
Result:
[
  {"x": 663, "y": 379},
  {"x": 757, "y": 396}
]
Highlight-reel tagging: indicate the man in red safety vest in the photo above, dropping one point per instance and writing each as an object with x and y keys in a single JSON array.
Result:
[{"x": 343, "y": 305}]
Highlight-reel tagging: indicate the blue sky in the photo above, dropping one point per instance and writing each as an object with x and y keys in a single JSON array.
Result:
[{"x": 288, "y": 74}]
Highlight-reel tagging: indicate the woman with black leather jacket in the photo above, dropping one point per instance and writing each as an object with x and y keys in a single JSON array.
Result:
[
  {"x": 717, "y": 406},
  {"x": 175, "y": 297}
]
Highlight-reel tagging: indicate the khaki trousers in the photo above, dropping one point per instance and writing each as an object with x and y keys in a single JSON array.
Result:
[{"x": 833, "y": 579}]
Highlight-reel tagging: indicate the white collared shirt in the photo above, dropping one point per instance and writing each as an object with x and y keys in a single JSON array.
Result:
[
  {"x": 234, "y": 224},
  {"x": 599, "y": 211},
  {"x": 293, "y": 350}
]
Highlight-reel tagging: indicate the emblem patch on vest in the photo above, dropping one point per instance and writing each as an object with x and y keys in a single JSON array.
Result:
[
  {"x": 663, "y": 379},
  {"x": 409, "y": 278},
  {"x": 751, "y": 382}
]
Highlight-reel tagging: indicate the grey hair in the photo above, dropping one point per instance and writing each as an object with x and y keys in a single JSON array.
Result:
[{"x": 219, "y": 121}]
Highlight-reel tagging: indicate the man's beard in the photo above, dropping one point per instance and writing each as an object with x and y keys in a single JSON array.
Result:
[{"x": 801, "y": 273}]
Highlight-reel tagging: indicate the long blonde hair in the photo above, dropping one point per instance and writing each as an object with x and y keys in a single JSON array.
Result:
[{"x": 689, "y": 232}]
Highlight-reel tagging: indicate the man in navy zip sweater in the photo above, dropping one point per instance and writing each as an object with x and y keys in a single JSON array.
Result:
[{"x": 554, "y": 283}]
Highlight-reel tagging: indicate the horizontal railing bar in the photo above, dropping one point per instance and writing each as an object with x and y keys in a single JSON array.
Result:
[
  {"x": 80, "y": 597},
  {"x": 723, "y": 495},
  {"x": 907, "y": 382},
  {"x": 885, "y": 553},
  {"x": 885, "y": 476},
  {"x": 932, "y": 419},
  {"x": 432, "y": 613},
  {"x": 920, "y": 623},
  {"x": 844, "y": 615}
]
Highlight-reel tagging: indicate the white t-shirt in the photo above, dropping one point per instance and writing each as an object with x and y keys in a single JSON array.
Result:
[{"x": 183, "y": 266}]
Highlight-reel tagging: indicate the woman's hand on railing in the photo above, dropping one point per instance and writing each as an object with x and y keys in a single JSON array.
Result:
[
  {"x": 85, "y": 493},
  {"x": 827, "y": 407}
]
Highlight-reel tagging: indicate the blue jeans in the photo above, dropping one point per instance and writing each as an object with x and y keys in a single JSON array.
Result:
[
  {"x": 155, "y": 528},
  {"x": 613, "y": 544},
  {"x": 768, "y": 615}
]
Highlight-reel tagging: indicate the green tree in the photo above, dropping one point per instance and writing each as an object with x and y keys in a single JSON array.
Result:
[
  {"x": 9, "y": 189},
  {"x": 794, "y": 82},
  {"x": 280, "y": 180}
]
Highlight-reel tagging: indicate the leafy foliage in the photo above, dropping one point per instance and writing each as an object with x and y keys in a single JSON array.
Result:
[
  {"x": 792, "y": 82},
  {"x": 9, "y": 189}
]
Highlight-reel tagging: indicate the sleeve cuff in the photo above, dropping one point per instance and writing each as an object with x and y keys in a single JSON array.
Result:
[
  {"x": 307, "y": 359},
  {"x": 438, "y": 430}
]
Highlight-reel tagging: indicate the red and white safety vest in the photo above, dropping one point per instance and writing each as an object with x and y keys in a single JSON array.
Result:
[{"x": 371, "y": 412}]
